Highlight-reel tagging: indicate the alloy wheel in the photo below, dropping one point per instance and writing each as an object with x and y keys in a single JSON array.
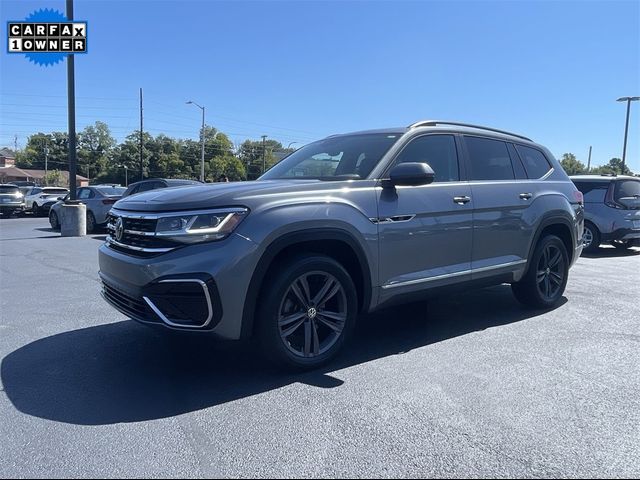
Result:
[
  {"x": 312, "y": 314},
  {"x": 587, "y": 237},
  {"x": 550, "y": 272}
]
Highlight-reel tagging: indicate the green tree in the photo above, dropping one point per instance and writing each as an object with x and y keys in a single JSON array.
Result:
[
  {"x": 572, "y": 165},
  {"x": 95, "y": 145},
  {"x": 250, "y": 154},
  {"x": 33, "y": 155},
  {"x": 613, "y": 167},
  {"x": 227, "y": 165},
  {"x": 53, "y": 178}
]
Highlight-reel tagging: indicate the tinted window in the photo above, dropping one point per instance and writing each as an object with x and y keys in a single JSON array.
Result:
[
  {"x": 146, "y": 187},
  {"x": 174, "y": 182},
  {"x": 8, "y": 189},
  {"x": 439, "y": 151},
  {"x": 534, "y": 161},
  {"x": 52, "y": 191},
  {"x": 346, "y": 156},
  {"x": 516, "y": 162},
  {"x": 489, "y": 159},
  {"x": 594, "y": 192},
  {"x": 35, "y": 191},
  {"x": 627, "y": 188}
]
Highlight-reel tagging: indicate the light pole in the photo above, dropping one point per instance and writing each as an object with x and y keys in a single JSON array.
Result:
[
  {"x": 289, "y": 146},
  {"x": 202, "y": 135},
  {"x": 126, "y": 176},
  {"x": 626, "y": 126}
]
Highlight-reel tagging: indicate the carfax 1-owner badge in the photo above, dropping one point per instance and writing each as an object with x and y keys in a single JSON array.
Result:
[{"x": 46, "y": 36}]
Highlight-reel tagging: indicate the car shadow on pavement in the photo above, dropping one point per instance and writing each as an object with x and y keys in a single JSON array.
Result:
[
  {"x": 610, "y": 252},
  {"x": 125, "y": 372}
]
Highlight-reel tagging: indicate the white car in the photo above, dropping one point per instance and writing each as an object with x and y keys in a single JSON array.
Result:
[{"x": 40, "y": 199}]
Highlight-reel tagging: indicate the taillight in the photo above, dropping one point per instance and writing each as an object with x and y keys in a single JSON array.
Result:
[
  {"x": 578, "y": 197},
  {"x": 109, "y": 201}
]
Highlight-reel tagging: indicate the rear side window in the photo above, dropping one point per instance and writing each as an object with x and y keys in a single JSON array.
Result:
[
  {"x": 593, "y": 192},
  {"x": 535, "y": 163},
  {"x": 626, "y": 189},
  {"x": 489, "y": 159},
  {"x": 145, "y": 187},
  {"x": 439, "y": 151}
]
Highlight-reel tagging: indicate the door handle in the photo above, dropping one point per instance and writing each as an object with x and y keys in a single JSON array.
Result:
[
  {"x": 525, "y": 196},
  {"x": 462, "y": 200}
]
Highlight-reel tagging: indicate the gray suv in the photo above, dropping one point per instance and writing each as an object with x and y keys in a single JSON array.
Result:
[
  {"x": 343, "y": 226},
  {"x": 612, "y": 210}
]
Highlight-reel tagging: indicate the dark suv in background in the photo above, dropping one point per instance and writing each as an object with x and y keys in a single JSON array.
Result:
[
  {"x": 156, "y": 183},
  {"x": 342, "y": 226},
  {"x": 611, "y": 209}
]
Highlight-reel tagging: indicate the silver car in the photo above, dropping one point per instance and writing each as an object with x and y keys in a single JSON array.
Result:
[
  {"x": 11, "y": 199},
  {"x": 342, "y": 226},
  {"x": 611, "y": 209},
  {"x": 99, "y": 199}
]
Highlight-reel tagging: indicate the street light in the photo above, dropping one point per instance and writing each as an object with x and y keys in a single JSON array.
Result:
[
  {"x": 126, "y": 175},
  {"x": 202, "y": 135},
  {"x": 626, "y": 126},
  {"x": 289, "y": 146}
]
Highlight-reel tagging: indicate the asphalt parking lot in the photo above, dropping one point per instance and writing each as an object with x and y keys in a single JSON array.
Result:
[{"x": 465, "y": 386}]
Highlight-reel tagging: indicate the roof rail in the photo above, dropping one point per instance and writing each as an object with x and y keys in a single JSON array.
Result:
[{"x": 433, "y": 123}]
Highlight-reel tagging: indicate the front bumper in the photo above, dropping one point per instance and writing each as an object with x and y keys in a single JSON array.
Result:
[{"x": 198, "y": 287}]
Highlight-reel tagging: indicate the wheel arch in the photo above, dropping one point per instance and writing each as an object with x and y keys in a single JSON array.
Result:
[
  {"x": 557, "y": 225},
  {"x": 333, "y": 242}
]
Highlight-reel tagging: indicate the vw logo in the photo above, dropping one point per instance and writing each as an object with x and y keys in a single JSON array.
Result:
[
  {"x": 119, "y": 229},
  {"x": 312, "y": 312}
]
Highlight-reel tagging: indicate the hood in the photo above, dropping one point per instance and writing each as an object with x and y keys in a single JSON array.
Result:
[{"x": 212, "y": 195}]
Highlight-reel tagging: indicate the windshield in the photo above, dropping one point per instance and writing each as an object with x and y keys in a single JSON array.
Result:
[
  {"x": 335, "y": 158},
  {"x": 111, "y": 191}
]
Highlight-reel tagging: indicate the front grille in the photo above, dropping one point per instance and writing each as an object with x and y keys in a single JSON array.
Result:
[
  {"x": 131, "y": 306},
  {"x": 137, "y": 237}
]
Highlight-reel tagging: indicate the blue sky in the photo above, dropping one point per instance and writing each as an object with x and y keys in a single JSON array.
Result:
[{"x": 296, "y": 71}]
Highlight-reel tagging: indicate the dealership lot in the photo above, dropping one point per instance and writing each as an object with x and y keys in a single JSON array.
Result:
[{"x": 469, "y": 385}]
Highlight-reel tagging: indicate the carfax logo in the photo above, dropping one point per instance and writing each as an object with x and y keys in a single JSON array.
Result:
[{"x": 46, "y": 36}]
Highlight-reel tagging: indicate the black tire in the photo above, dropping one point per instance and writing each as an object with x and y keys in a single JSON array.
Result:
[
  {"x": 591, "y": 232},
  {"x": 622, "y": 244},
  {"x": 544, "y": 283},
  {"x": 316, "y": 339},
  {"x": 35, "y": 209},
  {"x": 91, "y": 223},
  {"x": 53, "y": 220}
]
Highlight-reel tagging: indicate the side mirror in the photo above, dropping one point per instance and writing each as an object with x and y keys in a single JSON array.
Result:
[{"x": 410, "y": 174}]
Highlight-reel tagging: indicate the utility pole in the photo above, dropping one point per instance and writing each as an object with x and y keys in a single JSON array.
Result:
[
  {"x": 46, "y": 161},
  {"x": 589, "y": 161},
  {"x": 190, "y": 102},
  {"x": 71, "y": 107},
  {"x": 141, "y": 131},
  {"x": 264, "y": 151},
  {"x": 626, "y": 126}
]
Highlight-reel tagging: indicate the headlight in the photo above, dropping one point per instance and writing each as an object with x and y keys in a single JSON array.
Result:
[{"x": 206, "y": 226}]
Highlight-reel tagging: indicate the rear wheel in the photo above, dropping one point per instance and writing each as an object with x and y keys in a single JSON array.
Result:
[
  {"x": 91, "y": 222},
  {"x": 545, "y": 281},
  {"x": 590, "y": 238},
  {"x": 306, "y": 312},
  {"x": 35, "y": 209},
  {"x": 53, "y": 220}
]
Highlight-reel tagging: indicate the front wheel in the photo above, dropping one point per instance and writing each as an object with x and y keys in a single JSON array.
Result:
[
  {"x": 91, "y": 222},
  {"x": 544, "y": 283},
  {"x": 35, "y": 209},
  {"x": 53, "y": 220},
  {"x": 306, "y": 312}
]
